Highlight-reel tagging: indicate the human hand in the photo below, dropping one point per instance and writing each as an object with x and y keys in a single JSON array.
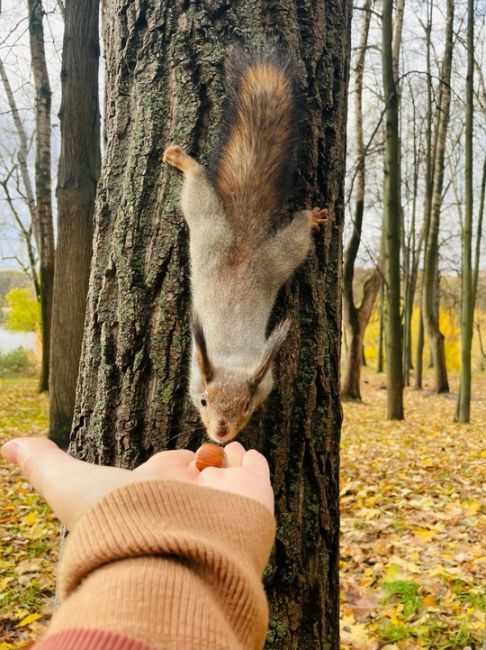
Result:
[{"x": 71, "y": 486}]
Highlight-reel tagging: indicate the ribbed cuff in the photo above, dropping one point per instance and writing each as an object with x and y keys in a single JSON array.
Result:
[
  {"x": 90, "y": 639},
  {"x": 183, "y": 563}
]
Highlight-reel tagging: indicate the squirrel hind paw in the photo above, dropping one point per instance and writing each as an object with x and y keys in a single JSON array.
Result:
[
  {"x": 177, "y": 158},
  {"x": 317, "y": 217}
]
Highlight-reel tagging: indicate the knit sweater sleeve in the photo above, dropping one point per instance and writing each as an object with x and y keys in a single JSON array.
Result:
[{"x": 166, "y": 564}]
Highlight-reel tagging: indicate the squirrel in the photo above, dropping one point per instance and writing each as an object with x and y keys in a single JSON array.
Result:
[{"x": 242, "y": 249}]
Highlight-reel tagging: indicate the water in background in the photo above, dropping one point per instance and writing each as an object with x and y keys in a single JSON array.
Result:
[{"x": 11, "y": 340}]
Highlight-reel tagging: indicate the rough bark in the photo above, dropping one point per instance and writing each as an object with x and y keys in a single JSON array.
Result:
[
  {"x": 357, "y": 317},
  {"x": 79, "y": 168},
  {"x": 391, "y": 224},
  {"x": 430, "y": 290},
  {"x": 42, "y": 179},
  {"x": 463, "y": 407},
  {"x": 164, "y": 83}
]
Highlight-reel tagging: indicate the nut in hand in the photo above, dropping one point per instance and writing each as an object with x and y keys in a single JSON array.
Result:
[{"x": 209, "y": 455}]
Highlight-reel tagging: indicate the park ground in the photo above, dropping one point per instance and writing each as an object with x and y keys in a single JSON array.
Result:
[{"x": 413, "y": 524}]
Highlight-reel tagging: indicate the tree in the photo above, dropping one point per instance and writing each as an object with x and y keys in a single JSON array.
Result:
[
  {"x": 463, "y": 406},
  {"x": 165, "y": 84},
  {"x": 357, "y": 317},
  {"x": 391, "y": 217},
  {"x": 45, "y": 230},
  {"x": 79, "y": 166},
  {"x": 429, "y": 166},
  {"x": 430, "y": 295}
]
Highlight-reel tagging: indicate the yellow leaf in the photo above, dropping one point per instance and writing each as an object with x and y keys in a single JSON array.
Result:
[
  {"x": 31, "y": 518},
  {"x": 471, "y": 507},
  {"x": 424, "y": 534},
  {"x": 29, "y": 619}
]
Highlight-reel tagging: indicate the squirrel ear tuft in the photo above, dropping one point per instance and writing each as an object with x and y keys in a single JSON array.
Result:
[
  {"x": 205, "y": 367},
  {"x": 272, "y": 346}
]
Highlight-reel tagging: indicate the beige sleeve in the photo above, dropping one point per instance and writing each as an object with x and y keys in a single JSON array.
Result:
[{"x": 170, "y": 564}]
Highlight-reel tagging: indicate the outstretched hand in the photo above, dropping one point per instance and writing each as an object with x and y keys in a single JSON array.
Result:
[{"x": 71, "y": 486}]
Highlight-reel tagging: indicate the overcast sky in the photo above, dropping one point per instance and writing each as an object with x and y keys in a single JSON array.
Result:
[{"x": 14, "y": 51}]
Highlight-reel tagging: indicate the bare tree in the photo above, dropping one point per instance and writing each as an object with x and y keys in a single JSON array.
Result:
[
  {"x": 357, "y": 317},
  {"x": 430, "y": 296},
  {"x": 469, "y": 275},
  {"x": 43, "y": 179},
  {"x": 391, "y": 221}
]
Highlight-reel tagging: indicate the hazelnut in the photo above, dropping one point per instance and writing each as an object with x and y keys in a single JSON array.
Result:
[{"x": 209, "y": 455}]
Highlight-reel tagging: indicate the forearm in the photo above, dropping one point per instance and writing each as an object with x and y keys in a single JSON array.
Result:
[{"x": 169, "y": 565}]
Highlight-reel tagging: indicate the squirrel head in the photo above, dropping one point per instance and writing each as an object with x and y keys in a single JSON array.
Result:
[{"x": 229, "y": 398}]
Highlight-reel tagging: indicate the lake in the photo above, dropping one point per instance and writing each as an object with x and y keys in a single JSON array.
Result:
[{"x": 11, "y": 340}]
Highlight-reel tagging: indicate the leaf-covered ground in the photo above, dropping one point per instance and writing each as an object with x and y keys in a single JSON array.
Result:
[
  {"x": 28, "y": 530},
  {"x": 413, "y": 524},
  {"x": 413, "y": 497}
]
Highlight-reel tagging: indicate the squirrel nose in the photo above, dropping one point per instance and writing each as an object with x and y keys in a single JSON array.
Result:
[{"x": 222, "y": 429}]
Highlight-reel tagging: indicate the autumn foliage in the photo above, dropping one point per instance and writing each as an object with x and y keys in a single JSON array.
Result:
[{"x": 413, "y": 527}]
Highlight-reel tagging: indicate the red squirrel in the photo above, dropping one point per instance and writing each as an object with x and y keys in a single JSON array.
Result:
[{"x": 242, "y": 247}]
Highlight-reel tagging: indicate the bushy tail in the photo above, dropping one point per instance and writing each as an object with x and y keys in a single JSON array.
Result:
[{"x": 256, "y": 161}]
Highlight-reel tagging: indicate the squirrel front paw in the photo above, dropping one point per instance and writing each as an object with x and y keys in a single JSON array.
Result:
[
  {"x": 316, "y": 217},
  {"x": 178, "y": 158}
]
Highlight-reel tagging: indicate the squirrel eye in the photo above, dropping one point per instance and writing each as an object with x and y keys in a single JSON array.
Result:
[{"x": 203, "y": 401}]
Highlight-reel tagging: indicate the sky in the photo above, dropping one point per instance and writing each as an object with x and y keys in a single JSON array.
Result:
[
  {"x": 14, "y": 52},
  {"x": 413, "y": 71}
]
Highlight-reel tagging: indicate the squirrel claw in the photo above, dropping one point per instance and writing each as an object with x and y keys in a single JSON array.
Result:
[
  {"x": 177, "y": 158},
  {"x": 317, "y": 217}
]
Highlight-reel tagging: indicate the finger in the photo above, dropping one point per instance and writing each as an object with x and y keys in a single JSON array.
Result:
[
  {"x": 256, "y": 462},
  {"x": 234, "y": 454},
  {"x": 38, "y": 459},
  {"x": 167, "y": 459},
  {"x": 68, "y": 485}
]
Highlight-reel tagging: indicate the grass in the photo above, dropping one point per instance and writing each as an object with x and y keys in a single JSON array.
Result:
[{"x": 413, "y": 524}]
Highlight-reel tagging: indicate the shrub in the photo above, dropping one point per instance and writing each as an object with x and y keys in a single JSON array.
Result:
[
  {"x": 23, "y": 311},
  {"x": 16, "y": 362}
]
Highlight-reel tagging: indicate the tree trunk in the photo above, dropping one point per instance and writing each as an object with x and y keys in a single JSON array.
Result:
[
  {"x": 42, "y": 179},
  {"x": 412, "y": 246},
  {"x": 429, "y": 167},
  {"x": 430, "y": 291},
  {"x": 357, "y": 318},
  {"x": 79, "y": 168},
  {"x": 164, "y": 84},
  {"x": 380, "y": 366},
  {"x": 463, "y": 407},
  {"x": 391, "y": 225}
]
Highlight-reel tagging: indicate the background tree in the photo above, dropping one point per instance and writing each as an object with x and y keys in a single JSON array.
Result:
[
  {"x": 357, "y": 317},
  {"x": 165, "y": 83},
  {"x": 79, "y": 166},
  {"x": 467, "y": 297},
  {"x": 45, "y": 236},
  {"x": 431, "y": 262},
  {"x": 391, "y": 217},
  {"x": 429, "y": 165}
]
